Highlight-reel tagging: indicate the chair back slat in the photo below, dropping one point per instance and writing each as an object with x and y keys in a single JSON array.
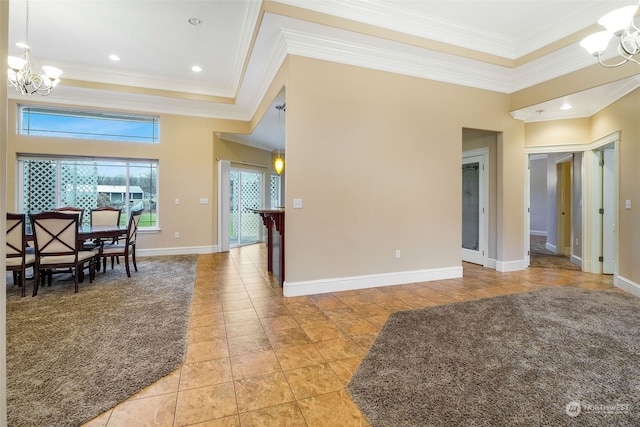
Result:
[
  {"x": 71, "y": 209},
  {"x": 55, "y": 233},
  {"x": 16, "y": 239},
  {"x": 105, "y": 216},
  {"x": 132, "y": 231}
]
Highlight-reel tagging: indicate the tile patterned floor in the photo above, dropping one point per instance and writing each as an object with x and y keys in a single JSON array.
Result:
[{"x": 255, "y": 358}]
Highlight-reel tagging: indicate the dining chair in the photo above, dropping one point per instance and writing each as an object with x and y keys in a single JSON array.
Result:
[
  {"x": 106, "y": 215},
  {"x": 56, "y": 241},
  {"x": 124, "y": 249},
  {"x": 17, "y": 259},
  {"x": 71, "y": 209}
]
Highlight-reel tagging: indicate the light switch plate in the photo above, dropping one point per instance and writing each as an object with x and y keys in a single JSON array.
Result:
[
  {"x": 627, "y": 204},
  {"x": 297, "y": 203}
]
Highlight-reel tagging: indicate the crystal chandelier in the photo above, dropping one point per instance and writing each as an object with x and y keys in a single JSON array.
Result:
[
  {"x": 23, "y": 74},
  {"x": 620, "y": 24}
]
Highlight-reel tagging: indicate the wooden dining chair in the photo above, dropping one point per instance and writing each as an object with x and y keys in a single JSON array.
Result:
[
  {"x": 106, "y": 215},
  {"x": 71, "y": 209},
  {"x": 56, "y": 242},
  {"x": 17, "y": 259},
  {"x": 126, "y": 248}
]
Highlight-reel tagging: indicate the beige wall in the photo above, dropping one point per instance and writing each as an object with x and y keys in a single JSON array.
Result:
[
  {"x": 558, "y": 132},
  {"x": 4, "y": 28},
  {"x": 623, "y": 116},
  {"x": 185, "y": 155},
  {"x": 376, "y": 159}
]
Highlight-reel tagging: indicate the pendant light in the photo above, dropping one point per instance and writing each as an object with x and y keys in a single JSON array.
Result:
[{"x": 279, "y": 162}]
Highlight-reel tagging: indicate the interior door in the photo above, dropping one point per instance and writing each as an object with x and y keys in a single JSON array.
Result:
[
  {"x": 474, "y": 233},
  {"x": 609, "y": 211}
]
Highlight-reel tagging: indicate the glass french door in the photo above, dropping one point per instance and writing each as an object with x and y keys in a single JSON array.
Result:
[
  {"x": 246, "y": 193},
  {"x": 474, "y": 238}
]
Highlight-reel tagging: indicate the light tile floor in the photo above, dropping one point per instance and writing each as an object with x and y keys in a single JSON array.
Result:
[{"x": 256, "y": 358}]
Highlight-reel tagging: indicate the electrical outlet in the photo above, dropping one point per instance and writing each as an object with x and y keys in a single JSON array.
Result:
[
  {"x": 177, "y": 235},
  {"x": 397, "y": 253}
]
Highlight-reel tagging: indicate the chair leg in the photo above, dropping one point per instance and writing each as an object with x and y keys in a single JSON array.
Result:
[
  {"x": 126, "y": 263},
  {"x": 133, "y": 257},
  {"x": 78, "y": 270},
  {"x": 36, "y": 280},
  {"x": 23, "y": 281}
]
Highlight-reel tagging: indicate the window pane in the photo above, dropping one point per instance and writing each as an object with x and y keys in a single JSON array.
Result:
[
  {"x": 88, "y": 184},
  {"x": 67, "y": 123}
]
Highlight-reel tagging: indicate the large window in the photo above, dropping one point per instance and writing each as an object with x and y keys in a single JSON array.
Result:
[
  {"x": 101, "y": 125},
  {"x": 47, "y": 183}
]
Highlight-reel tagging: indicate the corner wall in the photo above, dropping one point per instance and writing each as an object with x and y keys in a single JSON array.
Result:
[{"x": 376, "y": 159}]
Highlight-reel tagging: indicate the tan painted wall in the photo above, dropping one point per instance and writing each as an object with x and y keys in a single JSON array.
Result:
[
  {"x": 376, "y": 159},
  {"x": 623, "y": 116},
  {"x": 558, "y": 132},
  {"x": 4, "y": 29},
  {"x": 185, "y": 154}
]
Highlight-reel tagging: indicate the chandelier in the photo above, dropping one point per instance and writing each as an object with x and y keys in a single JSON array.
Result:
[
  {"x": 619, "y": 24},
  {"x": 23, "y": 74}
]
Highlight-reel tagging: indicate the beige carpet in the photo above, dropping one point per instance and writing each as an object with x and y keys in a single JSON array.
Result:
[
  {"x": 554, "y": 357},
  {"x": 72, "y": 356}
]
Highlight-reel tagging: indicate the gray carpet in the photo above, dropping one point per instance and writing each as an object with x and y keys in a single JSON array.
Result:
[
  {"x": 516, "y": 360},
  {"x": 72, "y": 356}
]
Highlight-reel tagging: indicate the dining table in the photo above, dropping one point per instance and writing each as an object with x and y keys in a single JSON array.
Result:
[{"x": 87, "y": 232}]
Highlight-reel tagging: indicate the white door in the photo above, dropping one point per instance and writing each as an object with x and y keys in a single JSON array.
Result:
[
  {"x": 474, "y": 202},
  {"x": 609, "y": 211}
]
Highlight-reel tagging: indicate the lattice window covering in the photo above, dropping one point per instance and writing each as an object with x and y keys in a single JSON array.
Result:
[
  {"x": 40, "y": 185},
  {"x": 274, "y": 191},
  {"x": 79, "y": 186},
  {"x": 250, "y": 200}
]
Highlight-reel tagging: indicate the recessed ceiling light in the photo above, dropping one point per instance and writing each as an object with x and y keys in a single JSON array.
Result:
[
  {"x": 566, "y": 106},
  {"x": 195, "y": 21},
  {"x": 114, "y": 57},
  {"x": 196, "y": 68}
]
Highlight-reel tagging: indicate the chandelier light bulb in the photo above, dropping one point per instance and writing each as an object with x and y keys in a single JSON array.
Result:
[
  {"x": 619, "y": 24},
  {"x": 618, "y": 20}
]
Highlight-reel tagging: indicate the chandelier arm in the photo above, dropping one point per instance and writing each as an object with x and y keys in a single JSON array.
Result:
[{"x": 617, "y": 64}]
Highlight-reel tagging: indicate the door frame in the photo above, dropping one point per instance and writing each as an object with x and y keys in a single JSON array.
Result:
[{"x": 483, "y": 219}]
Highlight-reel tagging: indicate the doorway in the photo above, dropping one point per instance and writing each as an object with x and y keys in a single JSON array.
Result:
[
  {"x": 475, "y": 228},
  {"x": 245, "y": 196}
]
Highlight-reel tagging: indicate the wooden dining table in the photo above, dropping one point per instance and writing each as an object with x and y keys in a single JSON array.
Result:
[{"x": 94, "y": 232}]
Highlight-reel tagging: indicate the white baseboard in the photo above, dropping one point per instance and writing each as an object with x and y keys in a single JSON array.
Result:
[
  {"x": 195, "y": 250},
  {"x": 550, "y": 247},
  {"x": 537, "y": 233},
  {"x": 576, "y": 260},
  {"x": 491, "y": 263},
  {"x": 310, "y": 287},
  {"x": 506, "y": 266},
  {"x": 627, "y": 285}
]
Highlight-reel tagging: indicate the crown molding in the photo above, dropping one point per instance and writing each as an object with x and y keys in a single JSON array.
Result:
[{"x": 419, "y": 63}]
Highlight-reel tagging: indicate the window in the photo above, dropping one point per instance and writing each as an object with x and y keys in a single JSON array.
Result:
[
  {"x": 100, "y": 125},
  {"x": 47, "y": 183}
]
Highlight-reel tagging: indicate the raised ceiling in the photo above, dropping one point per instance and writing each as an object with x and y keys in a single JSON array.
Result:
[{"x": 240, "y": 44}]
